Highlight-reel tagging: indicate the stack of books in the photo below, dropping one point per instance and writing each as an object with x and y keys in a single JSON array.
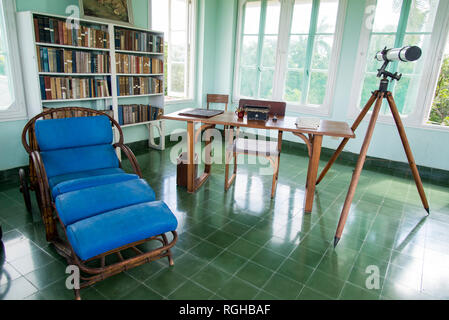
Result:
[
  {"x": 56, "y": 88},
  {"x": 130, "y": 86},
  {"x": 137, "y": 64},
  {"x": 57, "y": 31},
  {"x": 136, "y": 113},
  {"x": 131, "y": 40},
  {"x": 71, "y": 61}
]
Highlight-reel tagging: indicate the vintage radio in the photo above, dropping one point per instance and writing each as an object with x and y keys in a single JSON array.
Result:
[{"x": 257, "y": 113}]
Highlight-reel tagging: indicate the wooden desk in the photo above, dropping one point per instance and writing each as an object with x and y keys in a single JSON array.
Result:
[{"x": 312, "y": 138}]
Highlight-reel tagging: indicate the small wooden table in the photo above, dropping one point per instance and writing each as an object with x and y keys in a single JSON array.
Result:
[{"x": 312, "y": 138}]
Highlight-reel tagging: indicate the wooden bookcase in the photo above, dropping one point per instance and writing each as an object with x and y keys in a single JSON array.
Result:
[{"x": 29, "y": 49}]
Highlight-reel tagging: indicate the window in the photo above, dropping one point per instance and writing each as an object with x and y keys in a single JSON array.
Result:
[
  {"x": 287, "y": 49},
  {"x": 439, "y": 112},
  {"x": 175, "y": 18},
  {"x": 12, "y": 105},
  {"x": 398, "y": 23}
]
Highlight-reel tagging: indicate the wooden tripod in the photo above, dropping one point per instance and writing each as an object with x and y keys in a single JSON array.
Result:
[{"x": 377, "y": 97}]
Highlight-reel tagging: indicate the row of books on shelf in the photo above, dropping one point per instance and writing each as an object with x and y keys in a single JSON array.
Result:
[
  {"x": 71, "y": 61},
  {"x": 57, "y": 88},
  {"x": 137, "y": 64},
  {"x": 58, "y": 31},
  {"x": 70, "y": 113},
  {"x": 136, "y": 113},
  {"x": 131, "y": 40},
  {"x": 128, "y": 86}
]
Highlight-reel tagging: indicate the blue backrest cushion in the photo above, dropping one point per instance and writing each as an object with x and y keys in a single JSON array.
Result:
[
  {"x": 76, "y": 144},
  {"x": 66, "y": 133},
  {"x": 64, "y": 161}
]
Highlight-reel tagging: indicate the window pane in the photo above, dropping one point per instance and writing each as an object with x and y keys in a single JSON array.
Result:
[
  {"x": 317, "y": 88},
  {"x": 266, "y": 84},
  {"x": 327, "y": 16},
  {"x": 269, "y": 51},
  {"x": 178, "y": 11},
  {"x": 370, "y": 84},
  {"x": 301, "y": 16},
  {"x": 252, "y": 17},
  {"x": 248, "y": 79},
  {"x": 387, "y": 15},
  {"x": 297, "y": 51},
  {"x": 423, "y": 42},
  {"x": 249, "y": 50},
  {"x": 6, "y": 97},
  {"x": 402, "y": 93},
  {"x": 377, "y": 43},
  {"x": 159, "y": 17},
  {"x": 178, "y": 46},
  {"x": 272, "y": 17},
  {"x": 173, "y": 21},
  {"x": 293, "y": 86},
  {"x": 422, "y": 15},
  {"x": 177, "y": 78},
  {"x": 439, "y": 113},
  {"x": 322, "y": 52}
]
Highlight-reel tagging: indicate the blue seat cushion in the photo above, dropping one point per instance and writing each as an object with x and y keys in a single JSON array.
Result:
[
  {"x": 114, "y": 229},
  {"x": 81, "y": 204},
  {"x": 87, "y": 179},
  {"x": 55, "y": 134}
]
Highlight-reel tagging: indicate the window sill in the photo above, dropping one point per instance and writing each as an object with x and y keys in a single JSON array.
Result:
[{"x": 180, "y": 101}]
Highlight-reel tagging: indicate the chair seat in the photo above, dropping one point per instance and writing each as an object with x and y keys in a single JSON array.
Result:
[
  {"x": 254, "y": 147},
  {"x": 114, "y": 229},
  {"x": 85, "y": 203},
  {"x": 85, "y": 179}
]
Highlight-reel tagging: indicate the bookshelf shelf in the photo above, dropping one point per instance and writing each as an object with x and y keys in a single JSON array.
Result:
[
  {"x": 140, "y": 52},
  {"x": 71, "y": 100},
  {"x": 142, "y": 95},
  {"x": 55, "y": 45},
  {"x": 140, "y": 74},
  {"x": 32, "y": 59}
]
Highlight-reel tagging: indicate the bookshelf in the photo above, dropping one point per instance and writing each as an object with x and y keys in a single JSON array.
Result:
[{"x": 83, "y": 67}]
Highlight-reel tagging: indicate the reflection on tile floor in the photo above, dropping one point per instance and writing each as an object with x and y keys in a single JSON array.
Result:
[{"x": 242, "y": 245}]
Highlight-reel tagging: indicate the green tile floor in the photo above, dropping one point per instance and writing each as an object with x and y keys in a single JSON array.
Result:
[{"x": 241, "y": 245}]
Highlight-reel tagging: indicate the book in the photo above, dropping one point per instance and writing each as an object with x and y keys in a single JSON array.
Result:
[
  {"x": 73, "y": 88},
  {"x": 131, "y": 40},
  {"x": 58, "y": 31},
  {"x": 72, "y": 61},
  {"x": 308, "y": 123},
  {"x": 137, "y": 113}
]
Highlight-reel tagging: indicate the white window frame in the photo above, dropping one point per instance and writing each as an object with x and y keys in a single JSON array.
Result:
[
  {"x": 431, "y": 69},
  {"x": 286, "y": 15},
  {"x": 189, "y": 81},
  {"x": 17, "y": 110}
]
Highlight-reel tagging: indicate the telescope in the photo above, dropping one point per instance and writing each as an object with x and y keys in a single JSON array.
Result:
[{"x": 405, "y": 54}]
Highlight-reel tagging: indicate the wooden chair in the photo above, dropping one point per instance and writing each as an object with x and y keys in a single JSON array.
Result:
[
  {"x": 218, "y": 98},
  {"x": 268, "y": 149},
  {"x": 80, "y": 185}
]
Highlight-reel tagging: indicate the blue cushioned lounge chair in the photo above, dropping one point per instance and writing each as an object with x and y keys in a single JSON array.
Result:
[{"x": 105, "y": 214}]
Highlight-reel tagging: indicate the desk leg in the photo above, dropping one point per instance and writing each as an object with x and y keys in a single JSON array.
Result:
[
  {"x": 312, "y": 172},
  {"x": 190, "y": 157}
]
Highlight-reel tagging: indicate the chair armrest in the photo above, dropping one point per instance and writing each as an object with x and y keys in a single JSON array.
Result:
[
  {"x": 41, "y": 179},
  {"x": 130, "y": 155}
]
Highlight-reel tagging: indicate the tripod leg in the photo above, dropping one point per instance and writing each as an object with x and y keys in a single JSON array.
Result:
[
  {"x": 345, "y": 140},
  {"x": 358, "y": 169},
  {"x": 408, "y": 150}
]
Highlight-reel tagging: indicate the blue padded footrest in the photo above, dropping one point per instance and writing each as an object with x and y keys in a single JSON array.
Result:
[
  {"x": 114, "y": 229},
  {"x": 89, "y": 182},
  {"x": 85, "y": 203}
]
